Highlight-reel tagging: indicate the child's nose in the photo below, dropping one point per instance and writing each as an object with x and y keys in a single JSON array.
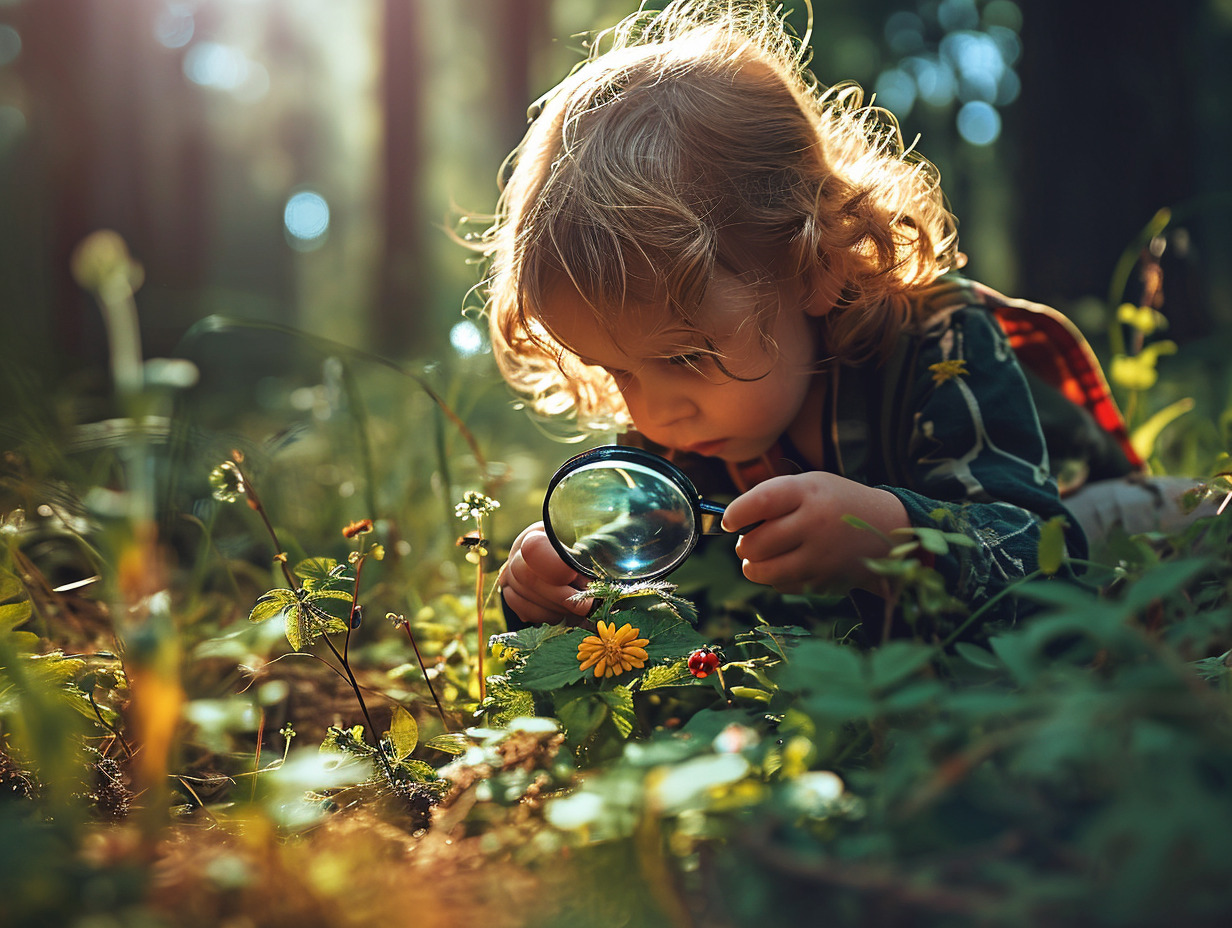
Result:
[{"x": 659, "y": 406}]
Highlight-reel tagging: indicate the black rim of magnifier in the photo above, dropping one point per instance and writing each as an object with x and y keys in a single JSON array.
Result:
[{"x": 659, "y": 465}]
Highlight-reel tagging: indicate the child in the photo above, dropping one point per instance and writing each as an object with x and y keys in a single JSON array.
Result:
[{"x": 697, "y": 243}]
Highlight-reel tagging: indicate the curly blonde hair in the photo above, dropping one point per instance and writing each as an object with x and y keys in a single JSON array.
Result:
[{"x": 694, "y": 139}]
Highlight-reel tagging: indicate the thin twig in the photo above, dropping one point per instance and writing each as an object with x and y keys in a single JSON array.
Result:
[{"x": 424, "y": 670}]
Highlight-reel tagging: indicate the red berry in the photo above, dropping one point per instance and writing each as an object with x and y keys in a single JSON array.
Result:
[{"x": 703, "y": 662}]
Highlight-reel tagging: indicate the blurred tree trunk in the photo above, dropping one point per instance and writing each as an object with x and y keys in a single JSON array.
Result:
[
  {"x": 399, "y": 325},
  {"x": 1110, "y": 134},
  {"x": 97, "y": 80},
  {"x": 520, "y": 31}
]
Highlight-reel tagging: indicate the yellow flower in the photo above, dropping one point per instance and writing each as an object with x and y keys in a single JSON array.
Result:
[
  {"x": 613, "y": 651},
  {"x": 948, "y": 370}
]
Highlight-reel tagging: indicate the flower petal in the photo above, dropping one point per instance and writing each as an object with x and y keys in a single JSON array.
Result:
[{"x": 590, "y": 660}]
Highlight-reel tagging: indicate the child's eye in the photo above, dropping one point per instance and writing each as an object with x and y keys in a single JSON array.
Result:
[{"x": 693, "y": 359}]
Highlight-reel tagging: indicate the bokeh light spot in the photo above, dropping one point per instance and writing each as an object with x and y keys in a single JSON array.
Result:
[
  {"x": 895, "y": 91},
  {"x": 1003, "y": 13},
  {"x": 904, "y": 31},
  {"x": 10, "y": 44},
  {"x": 306, "y": 218},
  {"x": 935, "y": 79},
  {"x": 211, "y": 64},
  {"x": 979, "y": 123},
  {"x": 174, "y": 26},
  {"x": 466, "y": 338},
  {"x": 957, "y": 14}
]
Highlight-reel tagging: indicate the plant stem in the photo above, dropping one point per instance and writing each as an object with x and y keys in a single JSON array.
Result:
[
  {"x": 254, "y": 503},
  {"x": 363, "y": 707},
  {"x": 479, "y": 622},
  {"x": 424, "y": 670}
]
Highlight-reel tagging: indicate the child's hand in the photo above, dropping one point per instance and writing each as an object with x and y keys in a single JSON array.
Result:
[
  {"x": 535, "y": 581},
  {"x": 804, "y": 544}
]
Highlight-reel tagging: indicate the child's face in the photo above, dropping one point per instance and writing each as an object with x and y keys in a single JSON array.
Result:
[{"x": 680, "y": 397}]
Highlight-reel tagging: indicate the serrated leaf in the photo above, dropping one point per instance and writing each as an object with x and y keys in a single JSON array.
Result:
[
  {"x": 297, "y": 630},
  {"x": 315, "y": 568},
  {"x": 620, "y": 701},
  {"x": 660, "y": 675},
  {"x": 505, "y": 702},
  {"x": 669, "y": 636},
  {"x": 331, "y": 604},
  {"x": 528, "y": 639},
  {"x": 552, "y": 664},
  {"x": 271, "y": 604},
  {"x": 344, "y": 741},
  {"x": 451, "y": 742},
  {"x": 403, "y": 732},
  {"x": 14, "y": 614},
  {"x": 420, "y": 771}
]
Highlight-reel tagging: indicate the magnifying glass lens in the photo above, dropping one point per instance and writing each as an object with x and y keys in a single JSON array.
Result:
[{"x": 621, "y": 520}]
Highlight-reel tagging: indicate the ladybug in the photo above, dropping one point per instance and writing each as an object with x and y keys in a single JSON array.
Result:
[{"x": 703, "y": 662}]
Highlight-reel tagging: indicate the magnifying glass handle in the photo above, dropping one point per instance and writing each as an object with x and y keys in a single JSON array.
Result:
[{"x": 712, "y": 518}]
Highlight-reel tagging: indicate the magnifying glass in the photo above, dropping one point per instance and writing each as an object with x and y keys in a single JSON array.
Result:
[{"x": 620, "y": 513}]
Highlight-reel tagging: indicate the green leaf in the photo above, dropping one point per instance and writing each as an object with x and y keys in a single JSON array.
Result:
[
  {"x": 528, "y": 639},
  {"x": 552, "y": 664},
  {"x": 660, "y": 675},
  {"x": 23, "y": 641},
  {"x": 1058, "y": 593},
  {"x": 54, "y": 668},
  {"x": 1162, "y": 581},
  {"x": 335, "y": 604},
  {"x": 451, "y": 742},
  {"x": 933, "y": 541},
  {"x": 620, "y": 701},
  {"x": 403, "y": 732},
  {"x": 818, "y": 665},
  {"x": 420, "y": 772},
  {"x": 297, "y": 628},
  {"x": 273, "y": 603},
  {"x": 11, "y": 587},
  {"x": 670, "y": 637},
  {"x": 315, "y": 568},
  {"x": 582, "y": 715},
  {"x": 14, "y": 614},
  {"x": 1052, "y": 545},
  {"x": 506, "y": 702},
  {"x": 750, "y": 692},
  {"x": 896, "y": 661},
  {"x": 915, "y": 696},
  {"x": 978, "y": 656}
]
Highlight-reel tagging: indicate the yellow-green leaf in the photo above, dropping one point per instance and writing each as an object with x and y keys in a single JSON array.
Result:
[
  {"x": 403, "y": 732},
  {"x": 14, "y": 614},
  {"x": 1145, "y": 435},
  {"x": 451, "y": 742},
  {"x": 1052, "y": 545},
  {"x": 750, "y": 692},
  {"x": 297, "y": 631},
  {"x": 271, "y": 604}
]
